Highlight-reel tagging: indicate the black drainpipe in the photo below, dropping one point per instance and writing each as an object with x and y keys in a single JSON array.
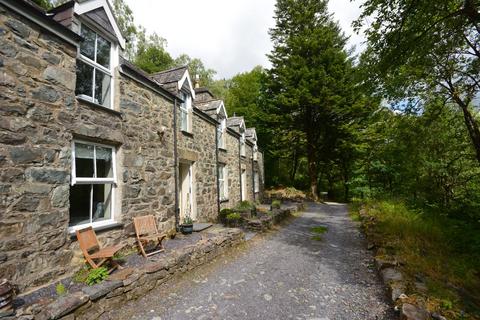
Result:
[
  {"x": 175, "y": 160},
  {"x": 218, "y": 173},
  {"x": 240, "y": 165},
  {"x": 253, "y": 177}
]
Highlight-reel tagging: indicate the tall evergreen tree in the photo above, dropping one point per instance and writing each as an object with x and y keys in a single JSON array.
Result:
[{"x": 310, "y": 79}]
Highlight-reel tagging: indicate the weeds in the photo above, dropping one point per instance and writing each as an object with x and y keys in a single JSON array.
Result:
[
  {"x": 60, "y": 289},
  {"x": 318, "y": 231},
  {"x": 96, "y": 276}
]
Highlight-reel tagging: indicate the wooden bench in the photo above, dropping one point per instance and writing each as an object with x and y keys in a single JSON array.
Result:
[
  {"x": 146, "y": 231},
  {"x": 96, "y": 256}
]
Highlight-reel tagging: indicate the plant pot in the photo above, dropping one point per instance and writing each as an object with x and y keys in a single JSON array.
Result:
[{"x": 186, "y": 228}]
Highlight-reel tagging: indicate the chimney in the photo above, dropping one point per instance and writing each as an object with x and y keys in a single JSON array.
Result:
[{"x": 197, "y": 81}]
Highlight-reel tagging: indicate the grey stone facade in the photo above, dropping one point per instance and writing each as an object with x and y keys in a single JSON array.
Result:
[{"x": 41, "y": 118}]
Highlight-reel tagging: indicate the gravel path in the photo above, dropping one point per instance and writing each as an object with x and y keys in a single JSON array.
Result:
[{"x": 284, "y": 275}]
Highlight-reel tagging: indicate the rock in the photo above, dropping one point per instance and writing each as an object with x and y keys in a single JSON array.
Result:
[
  {"x": 62, "y": 306},
  {"x": 51, "y": 58},
  {"x": 47, "y": 94},
  {"x": 267, "y": 297},
  {"x": 60, "y": 75},
  {"x": 155, "y": 266},
  {"x": 438, "y": 316},
  {"x": 390, "y": 275},
  {"x": 99, "y": 290},
  {"x": 18, "y": 28},
  {"x": 121, "y": 274},
  {"x": 60, "y": 196},
  {"x": 411, "y": 312},
  {"x": 370, "y": 246},
  {"x": 385, "y": 262},
  {"x": 48, "y": 175},
  {"x": 22, "y": 155}
]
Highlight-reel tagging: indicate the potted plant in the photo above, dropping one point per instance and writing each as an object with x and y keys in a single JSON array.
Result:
[{"x": 187, "y": 226}]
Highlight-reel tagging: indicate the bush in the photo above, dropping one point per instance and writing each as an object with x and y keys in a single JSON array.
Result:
[
  {"x": 276, "y": 204},
  {"x": 222, "y": 216},
  {"x": 96, "y": 276},
  {"x": 233, "y": 219},
  {"x": 245, "y": 206}
]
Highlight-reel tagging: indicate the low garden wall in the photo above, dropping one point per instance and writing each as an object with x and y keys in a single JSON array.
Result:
[
  {"x": 92, "y": 301},
  {"x": 266, "y": 218}
]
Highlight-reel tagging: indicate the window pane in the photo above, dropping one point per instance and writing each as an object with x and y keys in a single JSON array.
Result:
[
  {"x": 80, "y": 204},
  {"x": 87, "y": 46},
  {"x": 83, "y": 160},
  {"x": 84, "y": 79},
  {"x": 103, "y": 52},
  {"x": 104, "y": 162},
  {"x": 222, "y": 189},
  {"x": 220, "y": 172},
  {"x": 102, "y": 202},
  {"x": 102, "y": 88}
]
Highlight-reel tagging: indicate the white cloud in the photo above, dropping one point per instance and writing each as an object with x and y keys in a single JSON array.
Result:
[{"x": 228, "y": 36}]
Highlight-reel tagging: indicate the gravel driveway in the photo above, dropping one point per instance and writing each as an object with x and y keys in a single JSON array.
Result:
[{"x": 283, "y": 275}]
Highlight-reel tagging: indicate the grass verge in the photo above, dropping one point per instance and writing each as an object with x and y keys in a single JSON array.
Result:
[{"x": 440, "y": 256}]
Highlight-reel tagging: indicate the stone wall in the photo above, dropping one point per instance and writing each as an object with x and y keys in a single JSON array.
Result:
[
  {"x": 230, "y": 158},
  {"x": 37, "y": 80},
  {"x": 199, "y": 148}
]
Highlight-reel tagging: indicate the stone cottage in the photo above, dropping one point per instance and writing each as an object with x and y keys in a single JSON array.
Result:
[{"x": 88, "y": 139}]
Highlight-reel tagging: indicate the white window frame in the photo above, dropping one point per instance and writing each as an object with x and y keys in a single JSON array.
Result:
[
  {"x": 223, "y": 193},
  {"x": 242, "y": 145},
  {"x": 185, "y": 108},
  {"x": 255, "y": 151},
  {"x": 79, "y": 180},
  {"x": 222, "y": 144},
  {"x": 256, "y": 182},
  {"x": 98, "y": 66}
]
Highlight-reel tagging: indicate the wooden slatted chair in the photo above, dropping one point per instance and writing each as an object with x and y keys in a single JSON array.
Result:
[
  {"x": 146, "y": 231},
  {"x": 96, "y": 256}
]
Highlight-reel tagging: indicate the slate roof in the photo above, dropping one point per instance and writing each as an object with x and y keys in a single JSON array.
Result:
[
  {"x": 170, "y": 76},
  {"x": 234, "y": 121},
  {"x": 209, "y": 105},
  {"x": 250, "y": 132}
]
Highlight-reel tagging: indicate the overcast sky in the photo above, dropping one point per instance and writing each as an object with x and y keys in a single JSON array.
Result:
[{"x": 229, "y": 36}]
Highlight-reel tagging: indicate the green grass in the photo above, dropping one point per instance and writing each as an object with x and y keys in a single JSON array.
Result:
[
  {"x": 443, "y": 250},
  {"x": 318, "y": 231}
]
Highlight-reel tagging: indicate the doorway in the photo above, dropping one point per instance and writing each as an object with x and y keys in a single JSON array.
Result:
[
  {"x": 244, "y": 184},
  {"x": 186, "y": 196}
]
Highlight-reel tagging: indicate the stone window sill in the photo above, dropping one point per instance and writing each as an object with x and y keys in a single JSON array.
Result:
[
  {"x": 223, "y": 200},
  {"x": 99, "y": 106},
  {"x": 186, "y": 133},
  {"x": 222, "y": 149},
  {"x": 111, "y": 225}
]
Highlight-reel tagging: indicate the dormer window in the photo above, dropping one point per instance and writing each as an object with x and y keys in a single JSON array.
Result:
[
  {"x": 94, "y": 76},
  {"x": 242, "y": 145},
  {"x": 185, "y": 108},
  {"x": 221, "y": 134}
]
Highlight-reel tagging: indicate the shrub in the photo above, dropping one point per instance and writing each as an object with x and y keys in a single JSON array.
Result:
[
  {"x": 96, "y": 276},
  {"x": 60, "y": 289},
  {"x": 233, "y": 219},
  {"x": 276, "y": 204},
  {"x": 222, "y": 216},
  {"x": 245, "y": 206}
]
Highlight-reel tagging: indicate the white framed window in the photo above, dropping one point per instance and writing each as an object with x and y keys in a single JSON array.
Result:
[
  {"x": 92, "y": 187},
  {"x": 94, "y": 75},
  {"x": 256, "y": 182},
  {"x": 242, "y": 145},
  {"x": 255, "y": 155},
  {"x": 221, "y": 136},
  {"x": 185, "y": 107},
  {"x": 223, "y": 182}
]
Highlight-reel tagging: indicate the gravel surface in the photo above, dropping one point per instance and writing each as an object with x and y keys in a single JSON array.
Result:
[{"x": 284, "y": 275}]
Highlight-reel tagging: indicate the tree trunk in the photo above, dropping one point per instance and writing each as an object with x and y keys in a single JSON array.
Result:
[
  {"x": 312, "y": 172},
  {"x": 295, "y": 165},
  {"x": 472, "y": 126}
]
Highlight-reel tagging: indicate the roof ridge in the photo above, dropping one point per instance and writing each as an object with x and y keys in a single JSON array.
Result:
[{"x": 170, "y": 70}]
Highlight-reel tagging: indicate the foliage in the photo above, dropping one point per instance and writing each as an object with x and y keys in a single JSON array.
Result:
[
  {"x": 311, "y": 92},
  {"x": 319, "y": 229},
  {"x": 96, "y": 276},
  {"x": 285, "y": 193},
  {"x": 276, "y": 204},
  {"x": 444, "y": 250},
  {"x": 222, "y": 216},
  {"x": 81, "y": 275},
  {"x": 151, "y": 55},
  {"x": 416, "y": 48},
  {"x": 232, "y": 217},
  {"x": 196, "y": 68},
  {"x": 60, "y": 289},
  {"x": 126, "y": 24},
  {"x": 244, "y": 206},
  {"x": 187, "y": 220}
]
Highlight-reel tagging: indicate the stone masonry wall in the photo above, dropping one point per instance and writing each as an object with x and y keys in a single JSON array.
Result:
[
  {"x": 230, "y": 158},
  {"x": 37, "y": 80},
  {"x": 200, "y": 145}
]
